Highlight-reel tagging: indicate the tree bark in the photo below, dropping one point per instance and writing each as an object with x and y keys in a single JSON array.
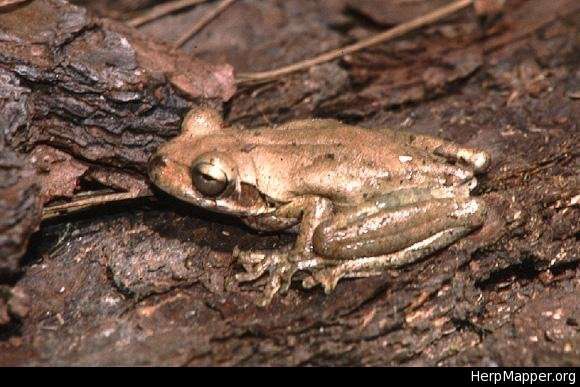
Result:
[{"x": 86, "y": 100}]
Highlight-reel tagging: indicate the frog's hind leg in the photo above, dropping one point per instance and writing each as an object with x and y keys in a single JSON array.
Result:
[
  {"x": 386, "y": 232},
  {"x": 477, "y": 158},
  {"x": 375, "y": 228},
  {"x": 392, "y": 231},
  {"x": 329, "y": 276}
]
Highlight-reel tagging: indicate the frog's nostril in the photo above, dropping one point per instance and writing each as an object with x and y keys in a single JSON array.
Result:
[
  {"x": 156, "y": 162},
  {"x": 481, "y": 161}
]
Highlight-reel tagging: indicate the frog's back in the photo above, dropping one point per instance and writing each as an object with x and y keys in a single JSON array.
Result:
[
  {"x": 343, "y": 162},
  {"x": 328, "y": 135}
]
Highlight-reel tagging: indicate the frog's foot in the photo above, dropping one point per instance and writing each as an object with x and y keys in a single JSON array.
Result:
[{"x": 281, "y": 265}]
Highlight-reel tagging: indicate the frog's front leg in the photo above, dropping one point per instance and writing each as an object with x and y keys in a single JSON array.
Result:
[{"x": 284, "y": 264}]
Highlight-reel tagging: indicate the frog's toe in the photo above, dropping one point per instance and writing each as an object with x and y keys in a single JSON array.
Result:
[
  {"x": 249, "y": 257},
  {"x": 275, "y": 283},
  {"x": 309, "y": 282},
  {"x": 269, "y": 292},
  {"x": 248, "y": 276},
  {"x": 328, "y": 278},
  {"x": 266, "y": 297},
  {"x": 285, "y": 272},
  {"x": 281, "y": 272},
  {"x": 253, "y": 270}
]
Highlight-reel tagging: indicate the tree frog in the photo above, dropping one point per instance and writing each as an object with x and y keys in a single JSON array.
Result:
[{"x": 362, "y": 200}]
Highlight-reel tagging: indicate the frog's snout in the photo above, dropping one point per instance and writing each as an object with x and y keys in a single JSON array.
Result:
[{"x": 156, "y": 162}]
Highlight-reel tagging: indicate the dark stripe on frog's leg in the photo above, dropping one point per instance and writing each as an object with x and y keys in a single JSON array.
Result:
[{"x": 388, "y": 230}]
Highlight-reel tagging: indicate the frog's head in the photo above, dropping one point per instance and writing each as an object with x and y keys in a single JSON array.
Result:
[{"x": 198, "y": 167}]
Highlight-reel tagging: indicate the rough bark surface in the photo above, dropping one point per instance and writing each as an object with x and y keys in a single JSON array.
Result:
[
  {"x": 20, "y": 206},
  {"x": 152, "y": 282},
  {"x": 96, "y": 89}
]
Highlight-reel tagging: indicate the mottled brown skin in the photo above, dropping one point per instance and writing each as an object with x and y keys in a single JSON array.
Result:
[{"x": 365, "y": 199}]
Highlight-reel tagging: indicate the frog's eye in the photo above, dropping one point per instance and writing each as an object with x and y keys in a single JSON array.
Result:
[{"x": 212, "y": 175}]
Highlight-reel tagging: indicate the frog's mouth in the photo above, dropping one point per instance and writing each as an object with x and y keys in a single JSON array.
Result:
[{"x": 175, "y": 179}]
